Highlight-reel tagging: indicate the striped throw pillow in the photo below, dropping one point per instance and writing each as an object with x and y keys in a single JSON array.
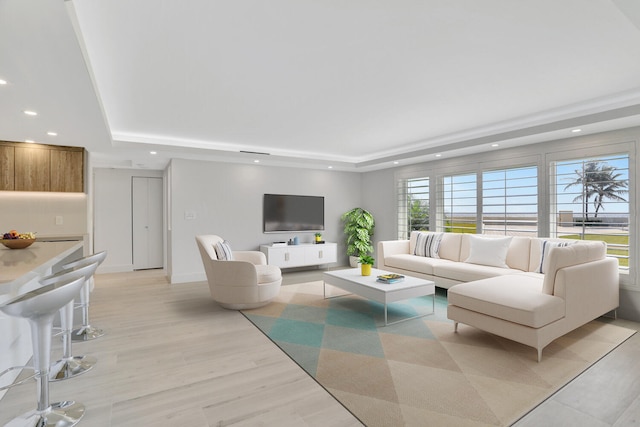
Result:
[
  {"x": 223, "y": 251},
  {"x": 428, "y": 244},
  {"x": 545, "y": 246}
]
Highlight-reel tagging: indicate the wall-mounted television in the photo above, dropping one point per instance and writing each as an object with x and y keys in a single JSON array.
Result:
[{"x": 284, "y": 212}]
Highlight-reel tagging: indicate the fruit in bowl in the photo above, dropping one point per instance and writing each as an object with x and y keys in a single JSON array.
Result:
[{"x": 15, "y": 240}]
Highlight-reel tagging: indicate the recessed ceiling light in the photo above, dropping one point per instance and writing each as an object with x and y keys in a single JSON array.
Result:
[
  {"x": 438, "y": 155},
  {"x": 396, "y": 162},
  {"x": 256, "y": 161},
  {"x": 576, "y": 130},
  {"x": 495, "y": 145},
  {"x": 52, "y": 133},
  {"x": 153, "y": 152},
  {"x": 3, "y": 82},
  {"x": 329, "y": 167},
  {"x": 30, "y": 141},
  {"x": 30, "y": 113}
]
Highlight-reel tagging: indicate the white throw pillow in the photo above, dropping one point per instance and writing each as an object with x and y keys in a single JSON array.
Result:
[
  {"x": 488, "y": 251},
  {"x": 428, "y": 244},
  {"x": 545, "y": 247},
  {"x": 223, "y": 251}
]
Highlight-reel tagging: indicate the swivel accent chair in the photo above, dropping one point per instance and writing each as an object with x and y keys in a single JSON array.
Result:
[
  {"x": 244, "y": 282},
  {"x": 39, "y": 307},
  {"x": 86, "y": 332}
]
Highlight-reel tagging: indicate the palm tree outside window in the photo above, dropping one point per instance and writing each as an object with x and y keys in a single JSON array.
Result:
[{"x": 589, "y": 201}]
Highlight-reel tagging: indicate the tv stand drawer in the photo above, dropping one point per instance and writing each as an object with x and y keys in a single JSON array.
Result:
[{"x": 300, "y": 255}]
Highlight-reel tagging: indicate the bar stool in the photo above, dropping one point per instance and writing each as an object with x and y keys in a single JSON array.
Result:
[
  {"x": 86, "y": 332},
  {"x": 69, "y": 366},
  {"x": 39, "y": 307}
]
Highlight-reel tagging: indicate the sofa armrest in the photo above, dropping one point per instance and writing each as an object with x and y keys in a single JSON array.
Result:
[
  {"x": 391, "y": 247},
  {"x": 581, "y": 252},
  {"x": 589, "y": 290},
  {"x": 254, "y": 257}
]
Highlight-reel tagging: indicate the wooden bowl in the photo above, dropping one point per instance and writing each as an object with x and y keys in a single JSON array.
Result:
[{"x": 17, "y": 243}]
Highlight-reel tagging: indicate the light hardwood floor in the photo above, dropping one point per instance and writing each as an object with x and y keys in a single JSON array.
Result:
[{"x": 172, "y": 357}]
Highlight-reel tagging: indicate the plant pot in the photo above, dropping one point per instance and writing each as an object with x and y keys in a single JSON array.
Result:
[
  {"x": 318, "y": 238},
  {"x": 354, "y": 261},
  {"x": 365, "y": 269}
]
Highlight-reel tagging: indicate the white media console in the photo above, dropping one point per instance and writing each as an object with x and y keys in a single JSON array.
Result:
[{"x": 304, "y": 254}]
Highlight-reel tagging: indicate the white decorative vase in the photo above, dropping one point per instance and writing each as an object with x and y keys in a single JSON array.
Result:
[{"x": 354, "y": 261}]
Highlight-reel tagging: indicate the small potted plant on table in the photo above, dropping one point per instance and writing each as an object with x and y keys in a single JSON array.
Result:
[
  {"x": 366, "y": 262},
  {"x": 318, "y": 237}
]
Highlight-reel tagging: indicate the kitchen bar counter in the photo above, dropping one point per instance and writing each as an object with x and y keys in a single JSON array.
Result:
[
  {"x": 19, "y": 273},
  {"x": 40, "y": 257}
]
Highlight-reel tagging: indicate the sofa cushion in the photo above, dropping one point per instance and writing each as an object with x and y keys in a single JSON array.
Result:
[
  {"x": 268, "y": 273},
  {"x": 464, "y": 272},
  {"x": 488, "y": 251},
  {"x": 515, "y": 298},
  {"x": 519, "y": 253},
  {"x": 450, "y": 246},
  {"x": 428, "y": 244},
  {"x": 418, "y": 264},
  {"x": 579, "y": 253}
]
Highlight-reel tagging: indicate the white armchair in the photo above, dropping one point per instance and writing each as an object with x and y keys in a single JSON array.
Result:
[{"x": 244, "y": 282}]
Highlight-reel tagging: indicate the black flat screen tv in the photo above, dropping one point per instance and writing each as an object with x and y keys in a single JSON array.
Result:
[{"x": 283, "y": 212}]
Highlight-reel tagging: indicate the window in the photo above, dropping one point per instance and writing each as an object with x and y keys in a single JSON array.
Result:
[
  {"x": 413, "y": 206},
  {"x": 590, "y": 201},
  {"x": 457, "y": 204},
  {"x": 510, "y": 201}
]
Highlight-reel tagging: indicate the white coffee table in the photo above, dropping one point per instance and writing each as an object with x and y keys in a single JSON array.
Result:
[{"x": 368, "y": 287}]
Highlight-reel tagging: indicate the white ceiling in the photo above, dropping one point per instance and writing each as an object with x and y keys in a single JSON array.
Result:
[{"x": 353, "y": 84}]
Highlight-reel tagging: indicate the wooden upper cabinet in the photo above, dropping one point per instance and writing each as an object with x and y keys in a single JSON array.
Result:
[
  {"x": 7, "y": 161},
  {"x": 38, "y": 167},
  {"x": 67, "y": 171},
  {"x": 33, "y": 169}
]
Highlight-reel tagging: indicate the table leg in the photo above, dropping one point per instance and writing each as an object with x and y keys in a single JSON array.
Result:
[
  {"x": 433, "y": 311},
  {"x": 385, "y": 314}
]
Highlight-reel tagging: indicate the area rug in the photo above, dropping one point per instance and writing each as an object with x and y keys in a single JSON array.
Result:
[{"x": 420, "y": 372}]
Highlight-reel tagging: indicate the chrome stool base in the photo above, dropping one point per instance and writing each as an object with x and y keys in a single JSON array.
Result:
[
  {"x": 71, "y": 367},
  {"x": 60, "y": 414},
  {"x": 86, "y": 333}
]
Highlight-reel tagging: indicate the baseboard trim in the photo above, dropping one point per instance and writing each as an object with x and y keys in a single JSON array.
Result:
[
  {"x": 124, "y": 268},
  {"x": 187, "y": 278}
]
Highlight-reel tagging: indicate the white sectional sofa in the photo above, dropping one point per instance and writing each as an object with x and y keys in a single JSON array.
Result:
[{"x": 530, "y": 290}]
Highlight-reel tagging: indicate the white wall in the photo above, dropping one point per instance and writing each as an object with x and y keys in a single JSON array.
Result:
[
  {"x": 226, "y": 199},
  {"x": 379, "y": 191},
  {"x": 36, "y": 211},
  {"x": 113, "y": 217}
]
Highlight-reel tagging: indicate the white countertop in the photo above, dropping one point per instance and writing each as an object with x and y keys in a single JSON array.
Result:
[{"x": 18, "y": 266}]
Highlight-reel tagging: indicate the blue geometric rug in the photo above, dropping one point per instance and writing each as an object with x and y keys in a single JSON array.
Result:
[{"x": 419, "y": 372}]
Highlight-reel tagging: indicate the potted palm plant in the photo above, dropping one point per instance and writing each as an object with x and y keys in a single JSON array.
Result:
[{"x": 358, "y": 227}]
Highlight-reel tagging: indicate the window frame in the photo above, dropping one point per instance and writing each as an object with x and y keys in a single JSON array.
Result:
[{"x": 628, "y": 278}]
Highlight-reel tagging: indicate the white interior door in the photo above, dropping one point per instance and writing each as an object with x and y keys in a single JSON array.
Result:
[{"x": 147, "y": 222}]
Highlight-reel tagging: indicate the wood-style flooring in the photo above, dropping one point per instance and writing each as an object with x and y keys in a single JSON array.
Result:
[{"x": 172, "y": 357}]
